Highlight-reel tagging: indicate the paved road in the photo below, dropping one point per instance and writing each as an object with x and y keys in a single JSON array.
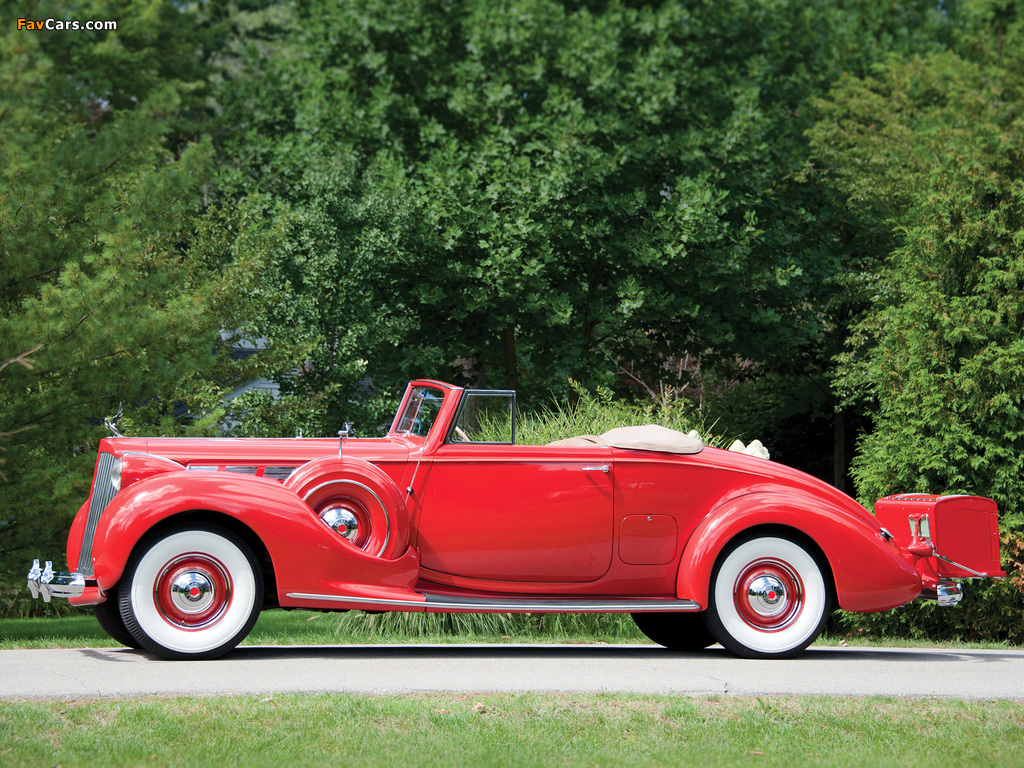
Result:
[{"x": 65, "y": 674}]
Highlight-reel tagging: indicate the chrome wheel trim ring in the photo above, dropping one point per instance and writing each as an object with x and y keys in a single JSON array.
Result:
[
  {"x": 383, "y": 507},
  {"x": 769, "y": 595},
  {"x": 192, "y": 591}
]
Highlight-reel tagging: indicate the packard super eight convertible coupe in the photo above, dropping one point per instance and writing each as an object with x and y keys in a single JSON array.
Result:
[{"x": 183, "y": 542}]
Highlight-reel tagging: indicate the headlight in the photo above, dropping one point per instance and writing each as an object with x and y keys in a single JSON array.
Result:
[{"x": 115, "y": 475}]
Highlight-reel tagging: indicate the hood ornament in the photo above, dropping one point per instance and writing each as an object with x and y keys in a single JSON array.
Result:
[
  {"x": 342, "y": 436},
  {"x": 111, "y": 422}
]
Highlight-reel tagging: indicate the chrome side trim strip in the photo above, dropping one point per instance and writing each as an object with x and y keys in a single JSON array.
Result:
[
  {"x": 363, "y": 600},
  {"x": 521, "y": 605},
  {"x": 568, "y": 605}
]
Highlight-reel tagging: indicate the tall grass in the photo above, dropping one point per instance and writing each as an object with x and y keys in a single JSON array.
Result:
[
  {"x": 490, "y": 627},
  {"x": 594, "y": 413}
]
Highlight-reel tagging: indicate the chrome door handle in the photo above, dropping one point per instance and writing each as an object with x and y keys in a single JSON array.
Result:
[{"x": 601, "y": 468}]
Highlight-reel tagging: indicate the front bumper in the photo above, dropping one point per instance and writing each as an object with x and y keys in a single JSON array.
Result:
[{"x": 44, "y": 582}]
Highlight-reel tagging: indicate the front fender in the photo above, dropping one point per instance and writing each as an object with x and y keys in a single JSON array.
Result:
[
  {"x": 307, "y": 556},
  {"x": 868, "y": 572}
]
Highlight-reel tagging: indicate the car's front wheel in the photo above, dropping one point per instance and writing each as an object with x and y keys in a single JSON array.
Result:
[
  {"x": 108, "y": 614},
  {"x": 768, "y": 598},
  {"x": 191, "y": 593}
]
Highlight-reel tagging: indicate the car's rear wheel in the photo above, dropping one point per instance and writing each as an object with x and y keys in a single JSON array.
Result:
[
  {"x": 108, "y": 614},
  {"x": 191, "y": 593},
  {"x": 676, "y": 631},
  {"x": 768, "y": 598}
]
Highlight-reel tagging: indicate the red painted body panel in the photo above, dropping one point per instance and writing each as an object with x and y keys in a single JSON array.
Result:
[
  {"x": 548, "y": 514},
  {"x": 868, "y": 573},
  {"x": 75, "y": 536},
  {"x": 307, "y": 556},
  {"x": 391, "y": 455},
  {"x": 964, "y": 529},
  {"x": 504, "y": 520},
  {"x": 717, "y": 495},
  {"x": 648, "y": 539}
]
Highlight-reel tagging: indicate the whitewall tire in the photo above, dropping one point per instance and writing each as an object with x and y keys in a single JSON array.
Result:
[
  {"x": 191, "y": 593},
  {"x": 769, "y": 597}
]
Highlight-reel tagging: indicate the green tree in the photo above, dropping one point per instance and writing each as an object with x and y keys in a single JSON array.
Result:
[
  {"x": 106, "y": 274},
  {"x": 933, "y": 144},
  {"x": 927, "y": 148},
  {"x": 533, "y": 191}
]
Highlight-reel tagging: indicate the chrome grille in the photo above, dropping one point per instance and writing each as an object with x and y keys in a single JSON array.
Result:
[{"x": 102, "y": 494}]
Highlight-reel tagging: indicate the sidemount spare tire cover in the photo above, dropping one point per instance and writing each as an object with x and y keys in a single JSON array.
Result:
[{"x": 364, "y": 494}]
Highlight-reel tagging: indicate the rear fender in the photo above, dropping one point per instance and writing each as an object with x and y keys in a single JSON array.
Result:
[
  {"x": 307, "y": 556},
  {"x": 868, "y": 572}
]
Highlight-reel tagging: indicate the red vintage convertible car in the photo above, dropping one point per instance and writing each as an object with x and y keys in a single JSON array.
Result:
[{"x": 183, "y": 542}]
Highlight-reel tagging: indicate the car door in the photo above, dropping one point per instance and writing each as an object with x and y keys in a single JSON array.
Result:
[{"x": 518, "y": 513}]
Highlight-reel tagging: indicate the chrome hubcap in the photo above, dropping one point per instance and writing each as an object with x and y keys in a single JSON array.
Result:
[
  {"x": 343, "y": 521},
  {"x": 767, "y": 596},
  {"x": 192, "y": 592}
]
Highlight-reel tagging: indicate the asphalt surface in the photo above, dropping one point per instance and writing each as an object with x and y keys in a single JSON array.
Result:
[{"x": 390, "y": 669}]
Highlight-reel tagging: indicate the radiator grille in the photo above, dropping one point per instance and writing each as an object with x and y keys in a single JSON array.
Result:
[{"x": 102, "y": 494}]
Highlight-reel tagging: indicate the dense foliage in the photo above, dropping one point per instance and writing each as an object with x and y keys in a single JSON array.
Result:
[
  {"x": 526, "y": 193},
  {"x": 796, "y": 221},
  {"x": 108, "y": 295},
  {"x": 941, "y": 349},
  {"x": 931, "y": 145}
]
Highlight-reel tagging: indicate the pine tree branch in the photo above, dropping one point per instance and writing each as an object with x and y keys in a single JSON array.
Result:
[{"x": 23, "y": 359}]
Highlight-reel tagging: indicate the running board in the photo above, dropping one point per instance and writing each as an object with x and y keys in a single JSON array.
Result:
[
  {"x": 519, "y": 604},
  {"x": 559, "y": 605}
]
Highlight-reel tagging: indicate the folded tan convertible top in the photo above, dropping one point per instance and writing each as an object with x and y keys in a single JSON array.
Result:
[
  {"x": 649, "y": 437},
  {"x": 652, "y": 437}
]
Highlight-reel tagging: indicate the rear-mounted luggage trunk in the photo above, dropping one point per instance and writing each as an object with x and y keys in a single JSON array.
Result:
[{"x": 963, "y": 529}]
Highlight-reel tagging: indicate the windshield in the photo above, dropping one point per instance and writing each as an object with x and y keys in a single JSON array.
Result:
[{"x": 420, "y": 411}]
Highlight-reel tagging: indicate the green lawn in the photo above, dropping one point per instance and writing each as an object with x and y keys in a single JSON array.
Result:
[{"x": 506, "y": 730}]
